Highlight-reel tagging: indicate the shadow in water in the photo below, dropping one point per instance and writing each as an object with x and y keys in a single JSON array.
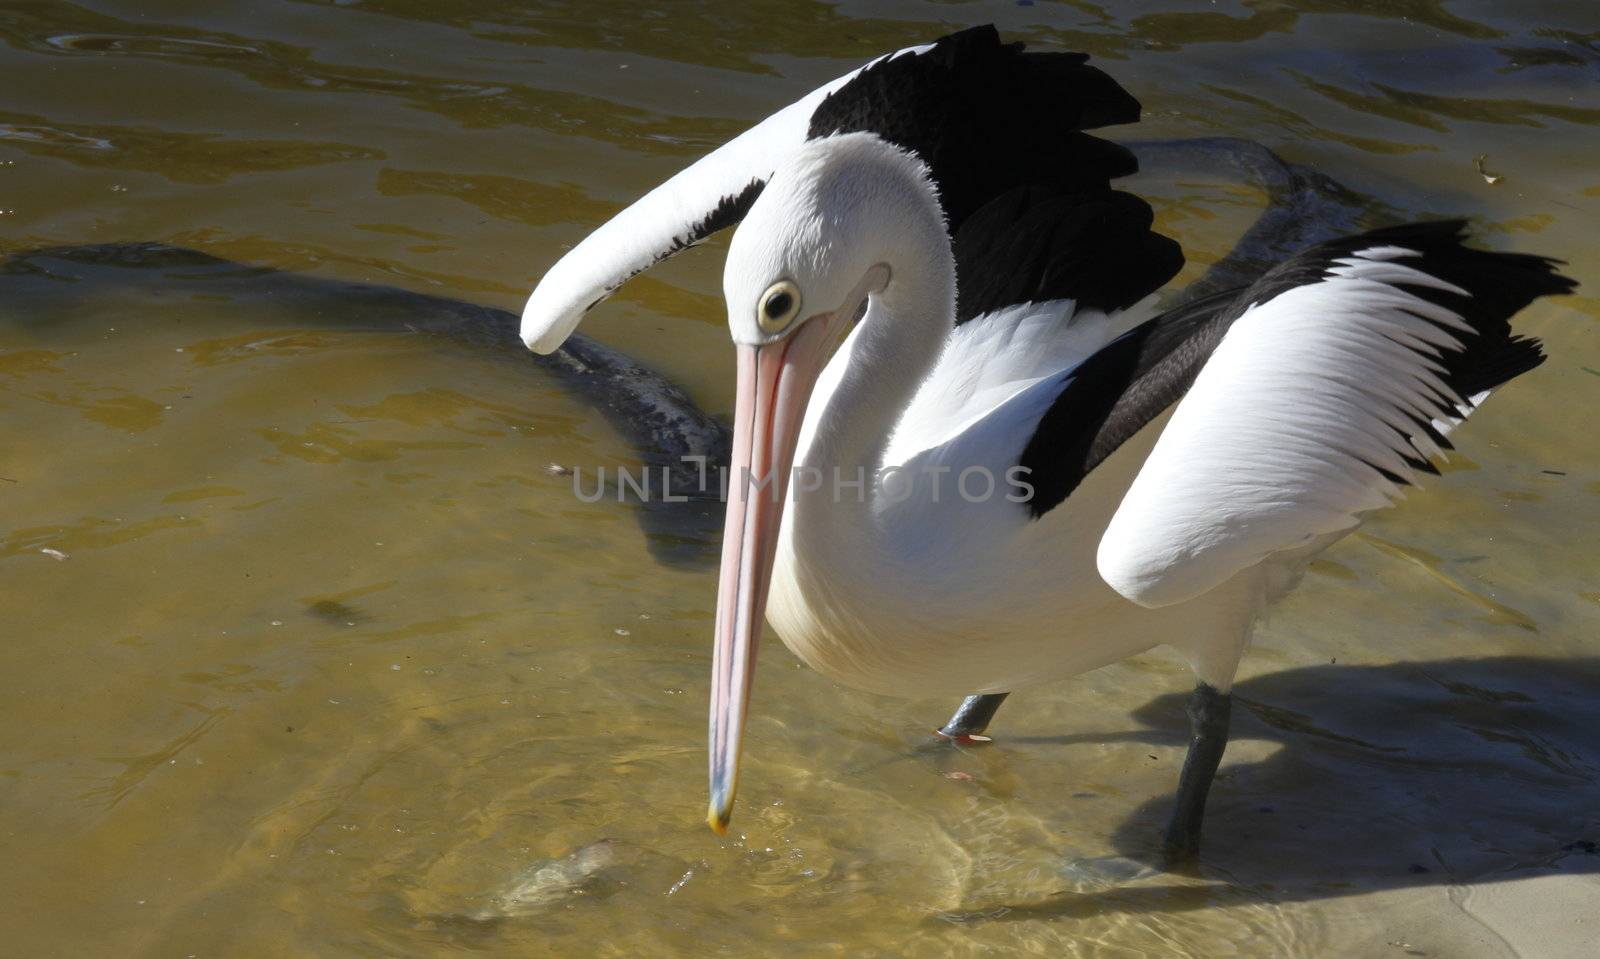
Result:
[
  {"x": 144, "y": 282},
  {"x": 1448, "y": 772}
]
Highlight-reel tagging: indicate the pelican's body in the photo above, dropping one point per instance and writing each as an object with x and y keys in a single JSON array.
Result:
[
  {"x": 948, "y": 597},
  {"x": 968, "y": 456}
]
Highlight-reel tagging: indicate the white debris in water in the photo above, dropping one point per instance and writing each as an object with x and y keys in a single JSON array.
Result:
[
  {"x": 554, "y": 880},
  {"x": 54, "y": 554},
  {"x": 620, "y": 631},
  {"x": 277, "y": 622},
  {"x": 681, "y": 882},
  {"x": 1489, "y": 178}
]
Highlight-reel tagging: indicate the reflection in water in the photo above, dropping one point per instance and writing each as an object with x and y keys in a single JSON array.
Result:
[
  {"x": 1432, "y": 111},
  {"x": 1177, "y": 29},
  {"x": 1498, "y": 613},
  {"x": 512, "y": 198},
  {"x": 183, "y": 157},
  {"x": 1564, "y": 48},
  {"x": 33, "y": 134},
  {"x": 1105, "y": 34},
  {"x": 468, "y": 103},
  {"x": 738, "y": 33},
  {"x": 89, "y": 533},
  {"x": 1294, "y": 122},
  {"x": 148, "y": 46},
  {"x": 137, "y": 768}
]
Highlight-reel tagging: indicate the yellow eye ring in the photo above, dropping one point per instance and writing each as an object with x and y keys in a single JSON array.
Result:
[{"x": 779, "y": 306}]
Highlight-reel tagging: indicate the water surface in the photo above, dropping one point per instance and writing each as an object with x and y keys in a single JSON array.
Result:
[{"x": 307, "y": 653}]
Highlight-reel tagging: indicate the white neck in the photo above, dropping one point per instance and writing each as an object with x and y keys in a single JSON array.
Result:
[
  {"x": 833, "y": 539},
  {"x": 877, "y": 372}
]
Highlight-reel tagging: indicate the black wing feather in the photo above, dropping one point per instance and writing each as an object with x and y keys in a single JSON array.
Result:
[
  {"x": 1026, "y": 192},
  {"x": 1041, "y": 242},
  {"x": 1116, "y": 392},
  {"x": 987, "y": 117}
]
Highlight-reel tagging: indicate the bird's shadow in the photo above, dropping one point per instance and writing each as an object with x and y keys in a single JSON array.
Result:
[
  {"x": 136, "y": 284},
  {"x": 1447, "y": 772}
]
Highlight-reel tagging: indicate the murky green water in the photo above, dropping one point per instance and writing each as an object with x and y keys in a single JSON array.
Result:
[{"x": 324, "y": 661}]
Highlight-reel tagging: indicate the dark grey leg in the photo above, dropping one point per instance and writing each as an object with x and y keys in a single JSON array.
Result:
[
  {"x": 1208, "y": 737},
  {"x": 972, "y": 716}
]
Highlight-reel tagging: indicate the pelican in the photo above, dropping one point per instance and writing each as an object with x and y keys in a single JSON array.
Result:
[{"x": 969, "y": 456}]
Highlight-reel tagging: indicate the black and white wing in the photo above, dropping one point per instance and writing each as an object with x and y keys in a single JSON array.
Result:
[
  {"x": 1046, "y": 277},
  {"x": 988, "y": 118},
  {"x": 1317, "y": 394}
]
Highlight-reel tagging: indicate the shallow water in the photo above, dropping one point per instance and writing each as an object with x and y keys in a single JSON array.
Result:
[{"x": 322, "y": 661}]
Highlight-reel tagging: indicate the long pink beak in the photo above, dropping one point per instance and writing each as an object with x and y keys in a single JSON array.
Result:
[{"x": 775, "y": 382}]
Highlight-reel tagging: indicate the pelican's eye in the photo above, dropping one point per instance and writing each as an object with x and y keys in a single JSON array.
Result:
[{"x": 779, "y": 306}]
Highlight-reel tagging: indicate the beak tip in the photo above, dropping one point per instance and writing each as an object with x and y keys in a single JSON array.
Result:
[{"x": 718, "y": 820}]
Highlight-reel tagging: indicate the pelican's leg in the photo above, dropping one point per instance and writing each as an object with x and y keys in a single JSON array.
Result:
[
  {"x": 972, "y": 718},
  {"x": 1208, "y": 737}
]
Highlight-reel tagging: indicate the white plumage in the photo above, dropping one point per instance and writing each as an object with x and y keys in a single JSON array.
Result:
[
  {"x": 989, "y": 359},
  {"x": 1275, "y": 443},
  {"x": 1006, "y": 471}
]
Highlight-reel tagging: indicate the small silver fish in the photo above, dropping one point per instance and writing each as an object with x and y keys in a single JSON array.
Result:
[{"x": 548, "y": 882}]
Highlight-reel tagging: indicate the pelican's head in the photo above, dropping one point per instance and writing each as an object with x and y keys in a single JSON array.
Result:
[
  {"x": 819, "y": 238},
  {"x": 815, "y": 246}
]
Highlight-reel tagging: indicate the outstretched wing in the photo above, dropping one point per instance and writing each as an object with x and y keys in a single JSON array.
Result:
[
  {"x": 985, "y": 116},
  {"x": 1332, "y": 383}
]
